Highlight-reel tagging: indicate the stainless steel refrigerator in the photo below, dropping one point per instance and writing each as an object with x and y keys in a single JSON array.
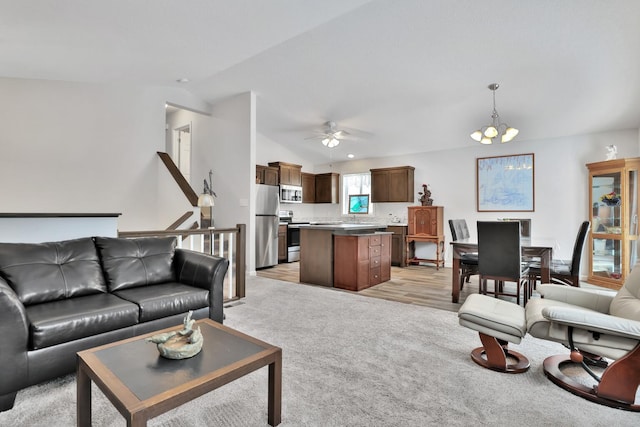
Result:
[{"x": 267, "y": 220}]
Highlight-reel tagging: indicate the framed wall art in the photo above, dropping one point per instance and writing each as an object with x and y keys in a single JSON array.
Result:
[{"x": 505, "y": 183}]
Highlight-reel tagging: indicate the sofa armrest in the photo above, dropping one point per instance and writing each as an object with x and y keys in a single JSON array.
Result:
[
  {"x": 15, "y": 340},
  {"x": 594, "y": 322},
  {"x": 206, "y": 272},
  {"x": 592, "y": 299}
]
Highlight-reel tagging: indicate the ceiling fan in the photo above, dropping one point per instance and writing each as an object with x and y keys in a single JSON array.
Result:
[{"x": 331, "y": 135}]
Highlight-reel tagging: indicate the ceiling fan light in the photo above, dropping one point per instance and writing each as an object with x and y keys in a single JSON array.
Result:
[
  {"x": 477, "y": 136},
  {"x": 333, "y": 143},
  {"x": 486, "y": 141},
  {"x": 325, "y": 142}
]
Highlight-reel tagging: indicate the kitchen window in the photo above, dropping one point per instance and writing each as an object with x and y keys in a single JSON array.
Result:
[{"x": 355, "y": 183}]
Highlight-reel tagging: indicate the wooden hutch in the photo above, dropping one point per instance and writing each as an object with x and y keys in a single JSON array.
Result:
[{"x": 425, "y": 224}]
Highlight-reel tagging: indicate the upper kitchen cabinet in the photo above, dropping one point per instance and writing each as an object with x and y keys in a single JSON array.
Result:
[
  {"x": 308, "y": 187},
  {"x": 327, "y": 188},
  {"x": 289, "y": 173},
  {"x": 266, "y": 175},
  {"x": 392, "y": 184}
]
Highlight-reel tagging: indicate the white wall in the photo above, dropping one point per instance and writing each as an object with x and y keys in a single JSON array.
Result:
[{"x": 78, "y": 147}]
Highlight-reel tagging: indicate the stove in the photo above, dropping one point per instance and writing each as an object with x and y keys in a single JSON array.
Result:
[{"x": 293, "y": 235}]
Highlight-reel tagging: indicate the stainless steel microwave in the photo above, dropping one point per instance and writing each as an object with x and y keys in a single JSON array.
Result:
[{"x": 290, "y": 194}]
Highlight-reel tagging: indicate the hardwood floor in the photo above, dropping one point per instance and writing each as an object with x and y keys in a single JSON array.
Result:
[{"x": 420, "y": 285}]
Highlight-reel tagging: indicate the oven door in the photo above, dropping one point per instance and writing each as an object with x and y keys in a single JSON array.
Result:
[{"x": 293, "y": 242}]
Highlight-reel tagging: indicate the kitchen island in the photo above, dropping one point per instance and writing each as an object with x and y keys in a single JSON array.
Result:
[{"x": 317, "y": 249}]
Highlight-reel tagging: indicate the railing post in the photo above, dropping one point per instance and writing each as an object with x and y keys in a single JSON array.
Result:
[{"x": 241, "y": 265}]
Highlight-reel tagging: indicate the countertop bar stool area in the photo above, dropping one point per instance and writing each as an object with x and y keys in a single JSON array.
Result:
[{"x": 500, "y": 259}]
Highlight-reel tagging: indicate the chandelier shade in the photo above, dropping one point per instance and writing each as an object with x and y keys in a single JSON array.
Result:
[{"x": 487, "y": 134}]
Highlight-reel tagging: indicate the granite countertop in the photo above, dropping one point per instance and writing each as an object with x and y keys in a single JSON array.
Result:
[{"x": 343, "y": 226}]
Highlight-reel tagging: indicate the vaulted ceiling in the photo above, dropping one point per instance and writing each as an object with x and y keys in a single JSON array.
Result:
[{"x": 411, "y": 75}]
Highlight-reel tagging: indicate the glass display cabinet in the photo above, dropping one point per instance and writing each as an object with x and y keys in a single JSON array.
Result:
[{"x": 613, "y": 239}]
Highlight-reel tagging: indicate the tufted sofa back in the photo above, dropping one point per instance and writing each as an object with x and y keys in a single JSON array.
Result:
[{"x": 43, "y": 272}]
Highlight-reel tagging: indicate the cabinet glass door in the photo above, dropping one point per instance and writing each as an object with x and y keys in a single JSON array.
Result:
[
  {"x": 606, "y": 225},
  {"x": 632, "y": 208}
]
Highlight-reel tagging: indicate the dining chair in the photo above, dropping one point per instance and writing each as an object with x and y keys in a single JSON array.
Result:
[
  {"x": 500, "y": 258},
  {"x": 468, "y": 261},
  {"x": 563, "y": 272}
]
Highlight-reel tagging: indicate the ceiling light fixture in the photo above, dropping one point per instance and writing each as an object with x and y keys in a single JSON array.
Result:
[
  {"x": 486, "y": 134},
  {"x": 330, "y": 142}
]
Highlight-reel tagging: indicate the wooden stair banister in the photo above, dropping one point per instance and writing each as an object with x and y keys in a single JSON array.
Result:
[
  {"x": 179, "y": 178},
  {"x": 177, "y": 223}
]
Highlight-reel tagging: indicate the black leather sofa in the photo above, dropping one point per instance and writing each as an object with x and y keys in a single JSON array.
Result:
[{"x": 59, "y": 298}]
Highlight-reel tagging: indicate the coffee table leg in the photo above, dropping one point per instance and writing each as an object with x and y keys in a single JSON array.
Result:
[
  {"x": 275, "y": 390},
  {"x": 83, "y": 398}
]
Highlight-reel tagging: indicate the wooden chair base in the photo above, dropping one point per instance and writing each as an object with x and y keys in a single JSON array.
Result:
[
  {"x": 493, "y": 355},
  {"x": 623, "y": 394}
]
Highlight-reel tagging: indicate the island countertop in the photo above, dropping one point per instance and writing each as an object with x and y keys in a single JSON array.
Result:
[{"x": 344, "y": 226}]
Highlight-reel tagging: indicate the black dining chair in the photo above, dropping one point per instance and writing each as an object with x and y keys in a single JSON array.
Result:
[
  {"x": 563, "y": 272},
  {"x": 500, "y": 258},
  {"x": 468, "y": 261}
]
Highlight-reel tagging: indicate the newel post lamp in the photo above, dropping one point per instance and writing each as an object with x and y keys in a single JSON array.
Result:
[{"x": 206, "y": 202}]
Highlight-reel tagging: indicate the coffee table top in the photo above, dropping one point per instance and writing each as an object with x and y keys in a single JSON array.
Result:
[{"x": 138, "y": 366}]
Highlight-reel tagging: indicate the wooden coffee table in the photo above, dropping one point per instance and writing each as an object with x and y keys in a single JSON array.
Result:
[{"x": 141, "y": 384}]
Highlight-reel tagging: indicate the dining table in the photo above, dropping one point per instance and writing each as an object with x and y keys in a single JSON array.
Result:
[{"x": 531, "y": 247}]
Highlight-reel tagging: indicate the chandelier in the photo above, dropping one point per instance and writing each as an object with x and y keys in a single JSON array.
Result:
[{"x": 486, "y": 134}]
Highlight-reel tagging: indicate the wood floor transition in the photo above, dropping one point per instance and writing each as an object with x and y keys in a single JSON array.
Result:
[{"x": 419, "y": 285}]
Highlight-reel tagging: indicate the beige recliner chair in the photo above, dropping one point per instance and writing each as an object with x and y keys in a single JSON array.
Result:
[{"x": 595, "y": 326}]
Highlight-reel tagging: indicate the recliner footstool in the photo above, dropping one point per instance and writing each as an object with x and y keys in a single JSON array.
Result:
[{"x": 498, "y": 323}]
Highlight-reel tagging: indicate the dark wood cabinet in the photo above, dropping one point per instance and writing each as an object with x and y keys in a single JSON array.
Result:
[
  {"x": 308, "y": 187},
  {"x": 321, "y": 188},
  {"x": 282, "y": 243},
  {"x": 327, "y": 188},
  {"x": 392, "y": 184},
  {"x": 289, "y": 173},
  {"x": 266, "y": 175},
  {"x": 397, "y": 244},
  {"x": 361, "y": 261},
  {"x": 425, "y": 225}
]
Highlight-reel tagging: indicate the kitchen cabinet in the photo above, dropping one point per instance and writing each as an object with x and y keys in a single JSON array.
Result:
[
  {"x": 361, "y": 261},
  {"x": 308, "y": 187},
  {"x": 392, "y": 184},
  {"x": 320, "y": 188},
  {"x": 288, "y": 173},
  {"x": 425, "y": 225},
  {"x": 398, "y": 247},
  {"x": 327, "y": 188},
  {"x": 266, "y": 175},
  {"x": 283, "y": 252},
  {"x": 614, "y": 192}
]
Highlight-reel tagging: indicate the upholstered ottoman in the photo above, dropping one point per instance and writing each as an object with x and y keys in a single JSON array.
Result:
[{"x": 498, "y": 322}]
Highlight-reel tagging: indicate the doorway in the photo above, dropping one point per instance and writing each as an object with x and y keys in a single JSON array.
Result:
[{"x": 182, "y": 150}]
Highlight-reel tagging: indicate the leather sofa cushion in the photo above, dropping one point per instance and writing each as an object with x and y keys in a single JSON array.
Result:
[
  {"x": 129, "y": 263},
  {"x": 165, "y": 300},
  {"x": 42, "y": 272},
  {"x": 74, "y": 318}
]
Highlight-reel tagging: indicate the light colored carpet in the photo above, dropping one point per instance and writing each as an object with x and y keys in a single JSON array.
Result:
[{"x": 350, "y": 360}]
